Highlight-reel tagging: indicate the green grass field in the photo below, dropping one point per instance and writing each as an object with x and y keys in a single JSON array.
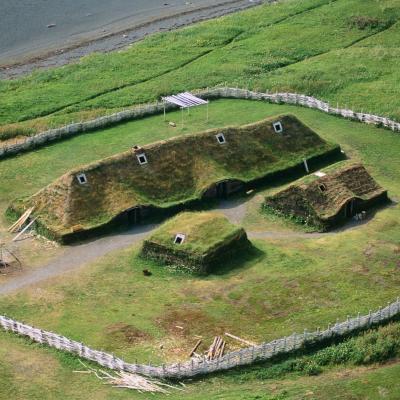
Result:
[
  {"x": 309, "y": 46},
  {"x": 287, "y": 283},
  {"x": 283, "y": 286}
]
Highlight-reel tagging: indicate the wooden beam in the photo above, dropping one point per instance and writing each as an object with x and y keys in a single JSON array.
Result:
[
  {"x": 240, "y": 339},
  {"x": 25, "y": 229},
  {"x": 195, "y": 347}
]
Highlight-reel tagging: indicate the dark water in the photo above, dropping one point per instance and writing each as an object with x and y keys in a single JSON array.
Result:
[{"x": 24, "y": 31}]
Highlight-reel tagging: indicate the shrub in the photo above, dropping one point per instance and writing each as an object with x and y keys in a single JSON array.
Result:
[
  {"x": 365, "y": 22},
  {"x": 10, "y": 132}
]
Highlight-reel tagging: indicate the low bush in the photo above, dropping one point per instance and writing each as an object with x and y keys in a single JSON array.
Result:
[
  {"x": 11, "y": 132},
  {"x": 363, "y": 22}
]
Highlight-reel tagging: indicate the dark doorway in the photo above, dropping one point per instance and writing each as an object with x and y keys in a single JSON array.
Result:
[
  {"x": 350, "y": 209},
  {"x": 133, "y": 216},
  {"x": 222, "y": 190}
]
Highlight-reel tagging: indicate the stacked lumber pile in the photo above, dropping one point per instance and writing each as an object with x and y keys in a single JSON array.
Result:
[{"x": 217, "y": 349}]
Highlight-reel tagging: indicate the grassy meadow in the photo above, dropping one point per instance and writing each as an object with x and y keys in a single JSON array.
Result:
[
  {"x": 282, "y": 285},
  {"x": 343, "y": 51},
  {"x": 339, "y": 50}
]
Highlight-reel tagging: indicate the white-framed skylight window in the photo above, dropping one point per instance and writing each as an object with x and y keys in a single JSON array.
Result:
[
  {"x": 221, "y": 138},
  {"x": 82, "y": 179},
  {"x": 142, "y": 158},
  {"x": 179, "y": 238},
  {"x": 278, "y": 128}
]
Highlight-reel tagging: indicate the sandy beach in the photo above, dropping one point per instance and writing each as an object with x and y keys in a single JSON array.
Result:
[{"x": 41, "y": 34}]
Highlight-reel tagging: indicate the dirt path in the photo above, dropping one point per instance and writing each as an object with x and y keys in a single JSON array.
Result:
[{"x": 77, "y": 255}]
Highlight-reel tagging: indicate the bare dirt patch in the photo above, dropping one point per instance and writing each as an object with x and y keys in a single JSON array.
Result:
[
  {"x": 123, "y": 333},
  {"x": 189, "y": 322}
]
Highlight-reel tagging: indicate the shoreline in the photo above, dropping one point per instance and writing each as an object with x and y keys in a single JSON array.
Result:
[{"x": 121, "y": 37}]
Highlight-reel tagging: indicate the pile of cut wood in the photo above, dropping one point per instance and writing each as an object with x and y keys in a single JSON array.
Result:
[{"x": 218, "y": 347}]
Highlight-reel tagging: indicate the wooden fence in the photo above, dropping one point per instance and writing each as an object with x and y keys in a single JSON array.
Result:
[
  {"x": 194, "y": 367},
  {"x": 70, "y": 130}
]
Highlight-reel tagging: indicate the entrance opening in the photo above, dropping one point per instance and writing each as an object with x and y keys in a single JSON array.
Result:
[
  {"x": 222, "y": 190},
  {"x": 350, "y": 210},
  {"x": 133, "y": 216}
]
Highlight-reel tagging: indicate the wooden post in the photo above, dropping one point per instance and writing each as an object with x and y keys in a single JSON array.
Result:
[
  {"x": 165, "y": 115},
  {"x": 306, "y": 166},
  {"x": 182, "y": 117}
]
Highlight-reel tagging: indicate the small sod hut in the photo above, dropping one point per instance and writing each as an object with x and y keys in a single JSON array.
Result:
[
  {"x": 195, "y": 241},
  {"x": 162, "y": 176},
  {"x": 329, "y": 197}
]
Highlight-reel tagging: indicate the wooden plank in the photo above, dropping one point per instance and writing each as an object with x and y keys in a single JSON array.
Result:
[
  {"x": 240, "y": 339},
  {"x": 25, "y": 229},
  {"x": 195, "y": 347},
  {"x": 21, "y": 220},
  {"x": 222, "y": 349},
  {"x": 13, "y": 226}
]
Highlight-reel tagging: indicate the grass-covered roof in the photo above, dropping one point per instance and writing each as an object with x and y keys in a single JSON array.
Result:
[
  {"x": 178, "y": 170},
  {"x": 207, "y": 241},
  {"x": 203, "y": 231},
  {"x": 323, "y": 197}
]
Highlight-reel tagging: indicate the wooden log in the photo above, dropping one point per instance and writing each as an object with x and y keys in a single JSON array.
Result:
[
  {"x": 216, "y": 347},
  {"x": 240, "y": 339},
  {"x": 222, "y": 349},
  {"x": 211, "y": 349},
  {"x": 195, "y": 347}
]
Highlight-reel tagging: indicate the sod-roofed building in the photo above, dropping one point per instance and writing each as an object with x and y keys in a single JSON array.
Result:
[
  {"x": 168, "y": 174},
  {"x": 329, "y": 197},
  {"x": 198, "y": 242}
]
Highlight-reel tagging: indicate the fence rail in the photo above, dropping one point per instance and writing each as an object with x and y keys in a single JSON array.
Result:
[
  {"x": 70, "y": 130},
  {"x": 195, "y": 367}
]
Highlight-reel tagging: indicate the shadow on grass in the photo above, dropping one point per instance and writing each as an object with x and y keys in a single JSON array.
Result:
[{"x": 243, "y": 259}]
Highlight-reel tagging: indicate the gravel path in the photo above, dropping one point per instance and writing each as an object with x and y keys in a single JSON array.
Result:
[{"x": 77, "y": 255}]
